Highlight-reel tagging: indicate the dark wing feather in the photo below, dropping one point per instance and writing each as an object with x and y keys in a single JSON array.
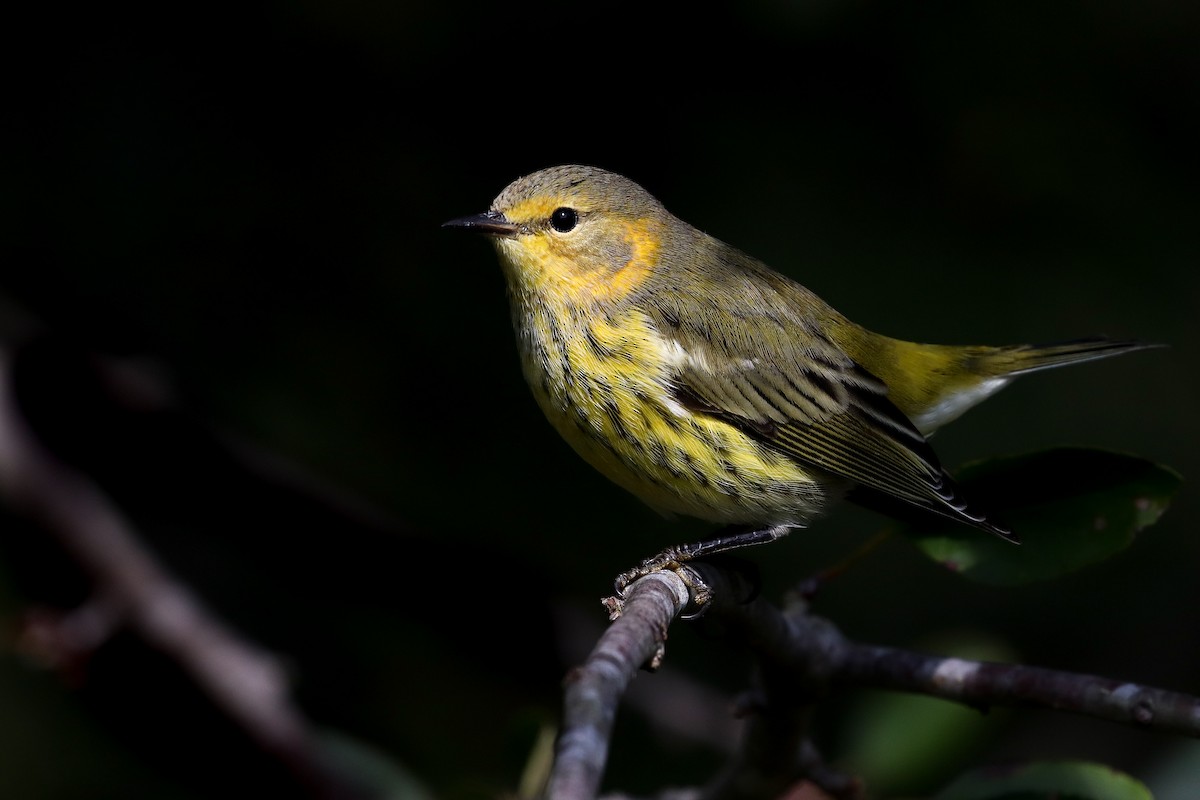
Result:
[
  {"x": 813, "y": 403},
  {"x": 877, "y": 447}
]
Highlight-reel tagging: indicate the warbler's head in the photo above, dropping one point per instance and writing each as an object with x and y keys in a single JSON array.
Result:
[{"x": 575, "y": 231}]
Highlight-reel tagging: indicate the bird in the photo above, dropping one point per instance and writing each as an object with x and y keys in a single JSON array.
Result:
[{"x": 711, "y": 386}]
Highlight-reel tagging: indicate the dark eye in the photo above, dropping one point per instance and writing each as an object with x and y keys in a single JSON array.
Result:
[{"x": 564, "y": 219}]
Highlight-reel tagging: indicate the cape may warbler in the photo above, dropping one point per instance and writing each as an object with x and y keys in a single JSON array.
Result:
[{"x": 709, "y": 385}]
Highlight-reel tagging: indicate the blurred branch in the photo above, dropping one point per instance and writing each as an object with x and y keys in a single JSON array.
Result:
[
  {"x": 802, "y": 658},
  {"x": 132, "y": 588},
  {"x": 796, "y": 655}
]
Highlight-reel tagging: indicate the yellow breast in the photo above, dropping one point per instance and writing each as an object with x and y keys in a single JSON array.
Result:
[{"x": 604, "y": 382}]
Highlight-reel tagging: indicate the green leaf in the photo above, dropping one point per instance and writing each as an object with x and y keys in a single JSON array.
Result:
[
  {"x": 903, "y": 744},
  {"x": 1047, "y": 780},
  {"x": 369, "y": 772},
  {"x": 1070, "y": 506}
]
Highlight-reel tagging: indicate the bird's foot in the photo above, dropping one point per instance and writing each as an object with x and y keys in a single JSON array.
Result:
[{"x": 673, "y": 559}]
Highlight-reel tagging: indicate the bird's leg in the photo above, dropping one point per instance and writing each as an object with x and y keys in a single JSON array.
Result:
[{"x": 674, "y": 558}]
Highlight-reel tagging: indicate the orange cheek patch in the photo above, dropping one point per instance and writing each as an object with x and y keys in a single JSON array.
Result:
[
  {"x": 557, "y": 267},
  {"x": 643, "y": 242}
]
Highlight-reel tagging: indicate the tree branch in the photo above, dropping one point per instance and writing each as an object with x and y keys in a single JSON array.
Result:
[
  {"x": 802, "y": 658},
  {"x": 594, "y": 689},
  {"x": 982, "y": 684}
]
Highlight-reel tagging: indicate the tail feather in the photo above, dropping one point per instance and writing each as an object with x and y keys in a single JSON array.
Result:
[
  {"x": 986, "y": 370},
  {"x": 1032, "y": 357}
]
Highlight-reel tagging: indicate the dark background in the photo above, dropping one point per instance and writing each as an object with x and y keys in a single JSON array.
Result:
[{"x": 245, "y": 199}]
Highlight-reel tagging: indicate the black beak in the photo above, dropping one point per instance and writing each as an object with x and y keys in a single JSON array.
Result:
[{"x": 490, "y": 223}]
